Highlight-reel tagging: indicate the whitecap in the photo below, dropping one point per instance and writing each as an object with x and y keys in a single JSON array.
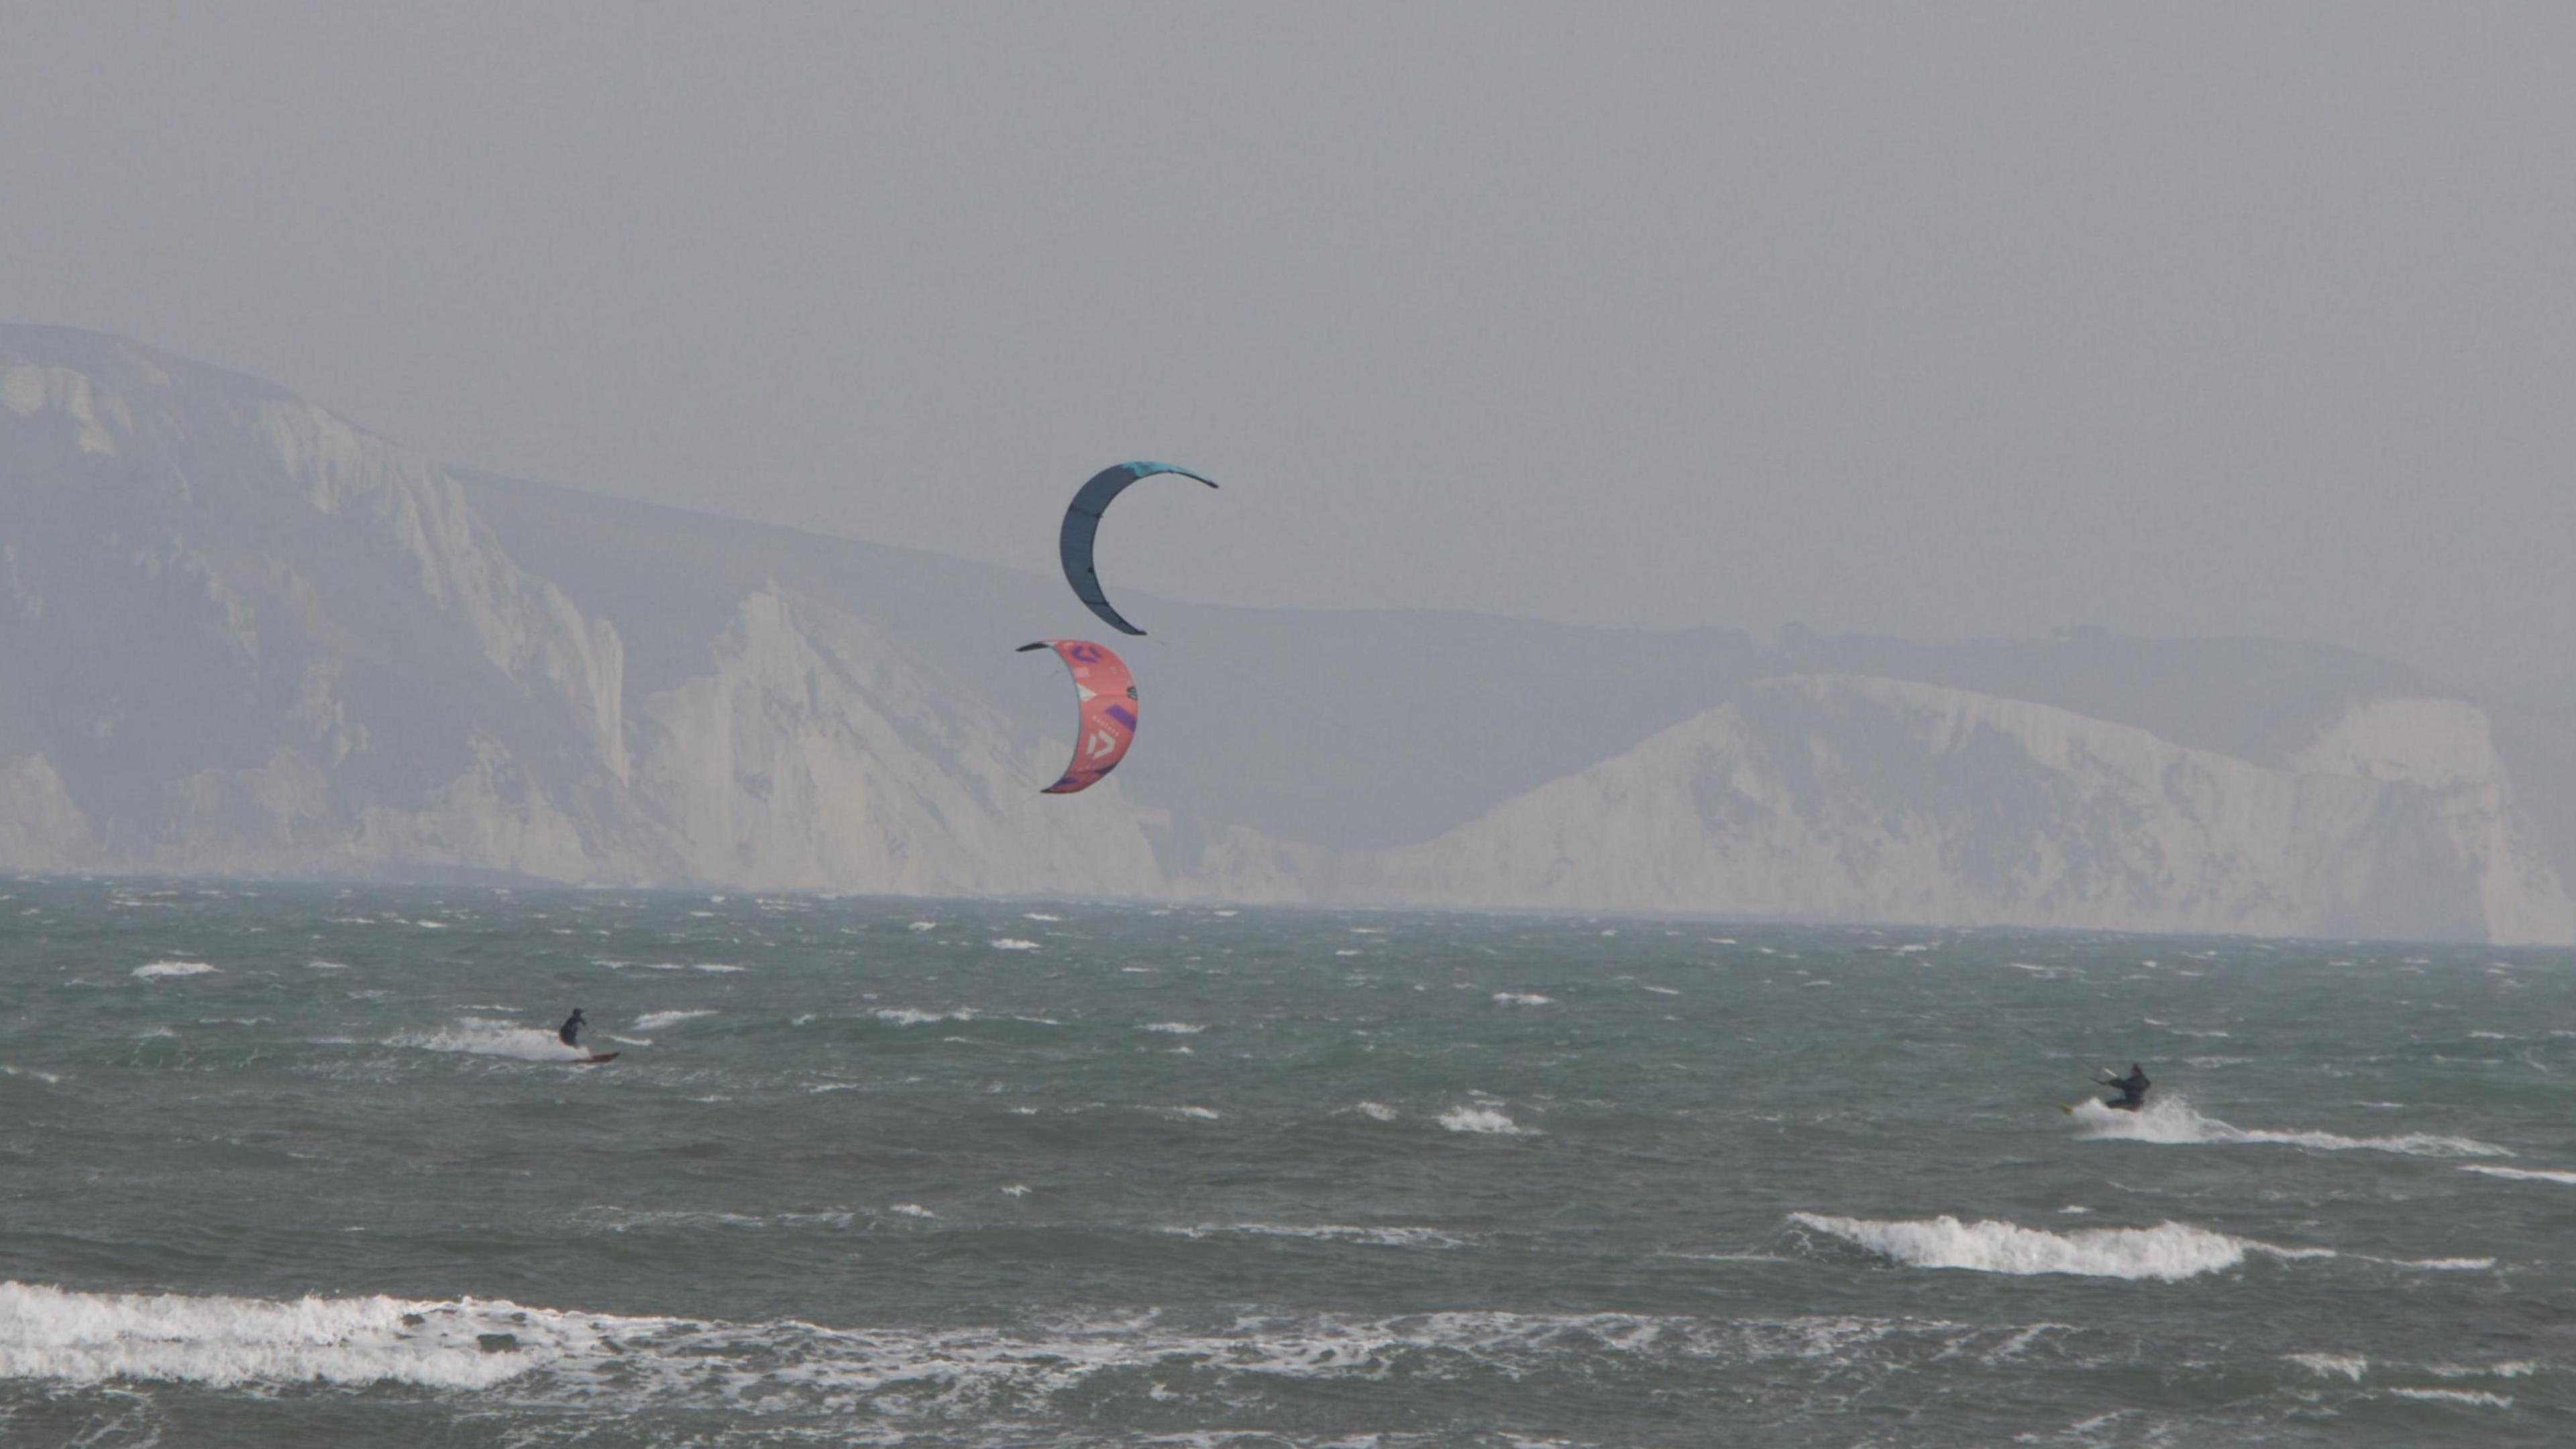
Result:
[
  {"x": 88, "y": 1338},
  {"x": 1522, "y": 998},
  {"x": 2325, "y": 1365},
  {"x": 2524, "y": 1174},
  {"x": 1375, "y": 1237},
  {"x": 912, "y": 1210},
  {"x": 923, "y": 926},
  {"x": 173, "y": 968},
  {"x": 1376, "y": 1111},
  {"x": 2476, "y": 1398},
  {"x": 1013, "y": 943},
  {"x": 2167, "y": 1252},
  {"x": 656, "y": 1020},
  {"x": 1177, "y": 1028},
  {"x": 906, "y": 1016},
  {"x": 1489, "y": 1120}
]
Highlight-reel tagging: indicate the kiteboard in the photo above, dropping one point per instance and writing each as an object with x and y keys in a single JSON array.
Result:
[
  {"x": 594, "y": 1059},
  {"x": 2069, "y": 1107}
]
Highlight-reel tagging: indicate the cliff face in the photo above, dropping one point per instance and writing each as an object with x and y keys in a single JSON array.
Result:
[
  {"x": 1841, "y": 798},
  {"x": 240, "y": 635}
]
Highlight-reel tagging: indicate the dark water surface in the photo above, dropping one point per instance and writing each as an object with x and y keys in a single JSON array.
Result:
[{"x": 302, "y": 1165}]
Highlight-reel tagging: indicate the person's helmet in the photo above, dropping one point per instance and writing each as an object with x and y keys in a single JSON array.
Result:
[{"x": 2136, "y": 1071}]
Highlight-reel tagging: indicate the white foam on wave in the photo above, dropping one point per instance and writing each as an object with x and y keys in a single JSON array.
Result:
[
  {"x": 923, "y": 926},
  {"x": 2474, "y": 1397},
  {"x": 2327, "y": 1365},
  {"x": 1376, "y": 1111},
  {"x": 1522, "y": 998},
  {"x": 721, "y": 968},
  {"x": 1386, "y": 1237},
  {"x": 906, "y": 1016},
  {"x": 1489, "y": 1120},
  {"x": 85, "y": 1338},
  {"x": 2170, "y": 1122},
  {"x": 1176, "y": 1028},
  {"x": 172, "y": 968},
  {"x": 656, "y": 1020},
  {"x": 327, "y": 965},
  {"x": 2524, "y": 1174},
  {"x": 1013, "y": 943},
  {"x": 477, "y": 1036},
  {"x": 2167, "y": 1252}
]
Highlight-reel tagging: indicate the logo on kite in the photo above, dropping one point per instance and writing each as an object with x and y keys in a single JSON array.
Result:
[
  {"x": 1108, "y": 714},
  {"x": 1082, "y": 525}
]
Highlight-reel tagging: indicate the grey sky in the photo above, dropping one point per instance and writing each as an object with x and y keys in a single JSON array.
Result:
[{"x": 1928, "y": 320}]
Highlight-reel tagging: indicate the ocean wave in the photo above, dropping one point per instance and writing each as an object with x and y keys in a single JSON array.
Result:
[
  {"x": 906, "y": 1016},
  {"x": 1489, "y": 1120},
  {"x": 59, "y": 1335},
  {"x": 67, "y": 1337},
  {"x": 172, "y": 968},
  {"x": 2170, "y": 1121},
  {"x": 1330, "y": 1233},
  {"x": 2168, "y": 1252},
  {"x": 2473, "y": 1397},
  {"x": 1177, "y": 1028},
  {"x": 1013, "y": 943},
  {"x": 656, "y": 1020},
  {"x": 2524, "y": 1174},
  {"x": 1522, "y": 998}
]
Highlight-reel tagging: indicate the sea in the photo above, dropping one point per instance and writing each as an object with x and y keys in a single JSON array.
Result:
[{"x": 304, "y": 1164}]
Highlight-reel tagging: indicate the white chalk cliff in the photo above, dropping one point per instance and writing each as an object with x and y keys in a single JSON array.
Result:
[{"x": 241, "y": 635}]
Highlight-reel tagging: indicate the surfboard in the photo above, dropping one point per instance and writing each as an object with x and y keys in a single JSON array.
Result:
[{"x": 595, "y": 1058}]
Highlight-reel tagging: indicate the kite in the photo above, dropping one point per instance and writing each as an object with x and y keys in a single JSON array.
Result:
[
  {"x": 1082, "y": 524},
  {"x": 1107, "y": 691}
]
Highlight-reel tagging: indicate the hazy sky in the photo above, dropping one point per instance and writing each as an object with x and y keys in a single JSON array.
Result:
[{"x": 1933, "y": 320}]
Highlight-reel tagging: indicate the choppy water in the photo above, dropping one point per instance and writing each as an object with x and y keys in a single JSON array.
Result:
[{"x": 302, "y": 1166}]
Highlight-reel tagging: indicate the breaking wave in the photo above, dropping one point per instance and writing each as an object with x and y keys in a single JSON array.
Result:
[
  {"x": 2171, "y": 1121},
  {"x": 656, "y": 1020},
  {"x": 1490, "y": 1120},
  {"x": 2523, "y": 1174},
  {"x": 53, "y": 1334},
  {"x": 50, "y": 1333},
  {"x": 2168, "y": 1252},
  {"x": 906, "y": 1016},
  {"x": 172, "y": 968}
]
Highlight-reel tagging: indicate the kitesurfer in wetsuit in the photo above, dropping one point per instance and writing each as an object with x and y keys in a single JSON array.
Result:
[
  {"x": 570, "y": 1032},
  {"x": 2133, "y": 1089}
]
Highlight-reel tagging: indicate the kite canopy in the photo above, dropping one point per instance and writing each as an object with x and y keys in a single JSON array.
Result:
[
  {"x": 1107, "y": 690},
  {"x": 1082, "y": 524}
]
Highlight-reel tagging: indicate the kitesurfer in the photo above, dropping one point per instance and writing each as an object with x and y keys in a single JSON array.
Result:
[
  {"x": 570, "y": 1032},
  {"x": 2133, "y": 1088}
]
